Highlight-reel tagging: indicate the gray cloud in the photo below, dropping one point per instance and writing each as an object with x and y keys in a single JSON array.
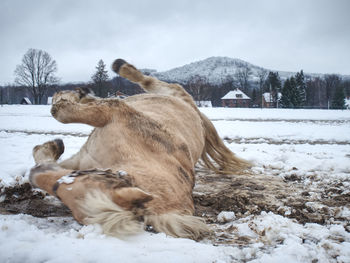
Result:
[{"x": 284, "y": 35}]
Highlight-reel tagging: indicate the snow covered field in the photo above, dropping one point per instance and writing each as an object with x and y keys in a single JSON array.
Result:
[{"x": 309, "y": 149}]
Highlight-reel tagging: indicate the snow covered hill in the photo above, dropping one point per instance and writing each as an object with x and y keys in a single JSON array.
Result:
[{"x": 216, "y": 70}]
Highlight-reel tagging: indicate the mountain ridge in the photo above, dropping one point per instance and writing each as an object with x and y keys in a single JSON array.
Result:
[{"x": 217, "y": 69}]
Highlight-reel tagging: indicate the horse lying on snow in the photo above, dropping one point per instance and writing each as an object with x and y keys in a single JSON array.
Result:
[{"x": 136, "y": 169}]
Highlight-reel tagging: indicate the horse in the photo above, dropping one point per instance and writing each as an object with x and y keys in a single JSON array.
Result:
[{"x": 135, "y": 172}]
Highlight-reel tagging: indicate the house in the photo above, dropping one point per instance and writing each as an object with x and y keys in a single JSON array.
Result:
[
  {"x": 236, "y": 98},
  {"x": 26, "y": 101},
  {"x": 267, "y": 100},
  {"x": 118, "y": 95},
  {"x": 49, "y": 100}
]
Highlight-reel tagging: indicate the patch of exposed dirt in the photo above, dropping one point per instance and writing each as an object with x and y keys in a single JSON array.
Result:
[
  {"x": 249, "y": 194},
  {"x": 24, "y": 199}
]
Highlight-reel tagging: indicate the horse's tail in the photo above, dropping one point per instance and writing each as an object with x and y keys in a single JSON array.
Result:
[
  {"x": 178, "y": 225},
  {"x": 216, "y": 156}
]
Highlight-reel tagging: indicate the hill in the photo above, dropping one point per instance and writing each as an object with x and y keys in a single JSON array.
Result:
[{"x": 217, "y": 70}]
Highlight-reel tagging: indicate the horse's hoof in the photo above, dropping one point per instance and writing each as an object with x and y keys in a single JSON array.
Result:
[
  {"x": 117, "y": 64},
  {"x": 48, "y": 152}
]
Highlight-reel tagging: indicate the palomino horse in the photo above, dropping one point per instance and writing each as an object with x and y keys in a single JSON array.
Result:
[{"x": 136, "y": 169}]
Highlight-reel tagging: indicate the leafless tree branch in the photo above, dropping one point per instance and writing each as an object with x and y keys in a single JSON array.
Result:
[{"x": 36, "y": 72}]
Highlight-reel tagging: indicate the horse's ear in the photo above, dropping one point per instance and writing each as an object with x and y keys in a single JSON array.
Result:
[{"x": 131, "y": 197}]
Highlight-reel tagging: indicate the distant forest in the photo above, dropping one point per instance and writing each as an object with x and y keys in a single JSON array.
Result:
[{"x": 317, "y": 92}]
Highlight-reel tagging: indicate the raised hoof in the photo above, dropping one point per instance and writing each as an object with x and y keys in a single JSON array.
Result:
[
  {"x": 66, "y": 96},
  {"x": 60, "y": 147},
  {"x": 48, "y": 152},
  {"x": 117, "y": 64}
]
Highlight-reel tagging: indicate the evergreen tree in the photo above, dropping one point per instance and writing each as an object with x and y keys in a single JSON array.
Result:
[
  {"x": 301, "y": 89},
  {"x": 274, "y": 85},
  {"x": 290, "y": 94},
  {"x": 294, "y": 93},
  {"x": 99, "y": 79},
  {"x": 338, "y": 101},
  {"x": 285, "y": 100}
]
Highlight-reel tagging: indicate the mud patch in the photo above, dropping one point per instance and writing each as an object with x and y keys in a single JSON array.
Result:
[
  {"x": 255, "y": 193},
  {"x": 24, "y": 199}
]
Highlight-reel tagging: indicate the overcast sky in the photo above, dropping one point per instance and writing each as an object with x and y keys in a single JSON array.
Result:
[{"x": 313, "y": 35}]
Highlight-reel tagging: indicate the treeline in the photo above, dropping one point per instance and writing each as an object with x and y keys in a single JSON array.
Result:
[
  {"x": 327, "y": 92},
  {"x": 298, "y": 91},
  {"x": 36, "y": 80}
]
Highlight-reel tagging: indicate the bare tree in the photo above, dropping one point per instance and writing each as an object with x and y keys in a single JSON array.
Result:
[
  {"x": 199, "y": 88},
  {"x": 242, "y": 76},
  {"x": 36, "y": 73},
  {"x": 332, "y": 82}
]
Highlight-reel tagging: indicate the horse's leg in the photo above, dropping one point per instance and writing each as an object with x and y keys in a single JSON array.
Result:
[
  {"x": 150, "y": 84},
  {"x": 71, "y": 163},
  {"x": 46, "y": 172},
  {"x": 75, "y": 107},
  {"x": 50, "y": 151},
  {"x": 72, "y": 107}
]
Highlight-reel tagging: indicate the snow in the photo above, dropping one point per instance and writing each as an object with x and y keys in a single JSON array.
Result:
[
  {"x": 275, "y": 114},
  {"x": 275, "y": 140},
  {"x": 36, "y": 119},
  {"x": 122, "y": 173},
  {"x": 67, "y": 179},
  {"x": 293, "y": 242},
  {"x": 226, "y": 216},
  {"x": 28, "y": 239}
]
